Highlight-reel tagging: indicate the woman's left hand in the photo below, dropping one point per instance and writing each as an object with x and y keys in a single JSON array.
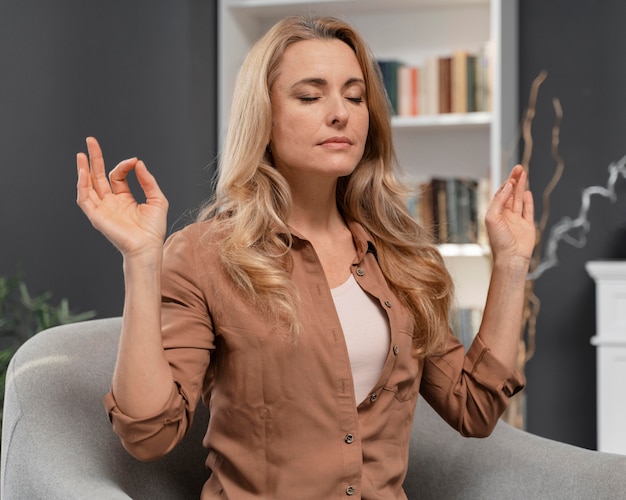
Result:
[{"x": 510, "y": 220}]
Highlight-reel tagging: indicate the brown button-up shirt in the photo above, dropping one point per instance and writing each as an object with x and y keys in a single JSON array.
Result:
[{"x": 284, "y": 421}]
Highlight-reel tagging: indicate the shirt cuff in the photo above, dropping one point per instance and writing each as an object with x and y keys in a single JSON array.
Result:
[
  {"x": 134, "y": 430},
  {"x": 488, "y": 371}
]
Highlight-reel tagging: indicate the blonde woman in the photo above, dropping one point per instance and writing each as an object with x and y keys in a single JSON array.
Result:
[{"x": 305, "y": 306}]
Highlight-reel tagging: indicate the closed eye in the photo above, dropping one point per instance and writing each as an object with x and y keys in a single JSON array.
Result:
[{"x": 308, "y": 99}]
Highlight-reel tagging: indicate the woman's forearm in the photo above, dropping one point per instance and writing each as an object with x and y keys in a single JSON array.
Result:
[
  {"x": 502, "y": 319},
  {"x": 142, "y": 380}
]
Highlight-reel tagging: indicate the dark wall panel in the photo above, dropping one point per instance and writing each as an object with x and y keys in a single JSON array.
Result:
[
  {"x": 140, "y": 76},
  {"x": 580, "y": 45}
]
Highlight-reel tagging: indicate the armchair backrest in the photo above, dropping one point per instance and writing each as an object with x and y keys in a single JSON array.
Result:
[{"x": 57, "y": 442}]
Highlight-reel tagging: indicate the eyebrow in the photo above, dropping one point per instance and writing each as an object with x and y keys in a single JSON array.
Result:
[{"x": 321, "y": 82}]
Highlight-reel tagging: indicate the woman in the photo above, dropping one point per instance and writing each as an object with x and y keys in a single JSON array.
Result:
[{"x": 305, "y": 306}]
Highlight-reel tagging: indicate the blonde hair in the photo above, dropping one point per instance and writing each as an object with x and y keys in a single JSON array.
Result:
[{"x": 252, "y": 199}]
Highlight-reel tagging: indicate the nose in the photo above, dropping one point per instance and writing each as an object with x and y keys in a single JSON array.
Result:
[{"x": 338, "y": 112}]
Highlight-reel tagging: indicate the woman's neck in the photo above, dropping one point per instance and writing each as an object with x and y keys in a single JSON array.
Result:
[
  {"x": 314, "y": 208},
  {"x": 314, "y": 224}
]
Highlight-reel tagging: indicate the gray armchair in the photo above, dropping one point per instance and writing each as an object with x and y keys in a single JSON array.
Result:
[{"x": 58, "y": 444}]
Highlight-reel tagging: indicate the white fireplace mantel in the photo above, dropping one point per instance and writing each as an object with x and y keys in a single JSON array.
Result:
[{"x": 610, "y": 342}]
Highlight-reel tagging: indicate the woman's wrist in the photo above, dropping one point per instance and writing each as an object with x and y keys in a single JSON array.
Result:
[
  {"x": 149, "y": 257},
  {"x": 512, "y": 265}
]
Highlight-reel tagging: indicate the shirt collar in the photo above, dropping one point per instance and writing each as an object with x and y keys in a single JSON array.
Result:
[{"x": 362, "y": 240}]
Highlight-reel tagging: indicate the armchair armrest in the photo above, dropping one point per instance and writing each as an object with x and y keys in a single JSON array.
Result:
[{"x": 510, "y": 464}]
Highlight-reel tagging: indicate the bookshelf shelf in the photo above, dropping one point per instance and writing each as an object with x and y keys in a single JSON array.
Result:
[
  {"x": 469, "y": 145},
  {"x": 270, "y": 8},
  {"x": 479, "y": 120},
  {"x": 463, "y": 250}
]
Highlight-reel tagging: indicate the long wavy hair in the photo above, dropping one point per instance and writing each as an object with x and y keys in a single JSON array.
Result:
[{"x": 252, "y": 200}]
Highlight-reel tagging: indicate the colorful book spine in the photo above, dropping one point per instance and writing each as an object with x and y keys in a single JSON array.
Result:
[
  {"x": 456, "y": 83},
  {"x": 408, "y": 90},
  {"x": 450, "y": 209},
  {"x": 389, "y": 70},
  {"x": 445, "y": 84},
  {"x": 459, "y": 81}
]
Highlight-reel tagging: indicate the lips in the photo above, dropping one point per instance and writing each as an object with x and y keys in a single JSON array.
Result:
[{"x": 336, "y": 141}]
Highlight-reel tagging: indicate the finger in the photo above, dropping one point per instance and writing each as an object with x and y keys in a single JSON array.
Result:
[
  {"x": 520, "y": 189},
  {"x": 502, "y": 196},
  {"x": 118, "y": 177},
  {"x": 529, "y": 207},
  {"x": 82, "y": 164},
  {"x": 516, "y": 172},
  {"x": 84, "y": 187},
  {"x": 84, "y": 192},
  {"x": 96, "y": 163},
  {"x": 82, "y": 184}
]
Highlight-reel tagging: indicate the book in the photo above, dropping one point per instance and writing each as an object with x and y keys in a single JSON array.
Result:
[
  {"x": 459, "y": 81},
  {"x": 427, "y": 210},
  {"x": 429, "y": 86},
  {"x": 471, "y": 83},
  {"x": 408, "y": 90},
  {"x": 467, "y": 210},
  {"x": 450, "y": 208},
  {"x": 389, "y": 70},
  {"x": 445, "y": 88},
  {"x": 452, "y": 212},
  {"x": 440, "y": 208}
]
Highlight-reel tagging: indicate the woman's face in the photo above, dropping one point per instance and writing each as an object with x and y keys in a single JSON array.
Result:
[{"x": 319, "y": 110}]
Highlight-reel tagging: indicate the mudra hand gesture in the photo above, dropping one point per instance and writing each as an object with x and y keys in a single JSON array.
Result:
[
  {"x": 132, "y": 227},
  {"x": 509, "y": 220}
]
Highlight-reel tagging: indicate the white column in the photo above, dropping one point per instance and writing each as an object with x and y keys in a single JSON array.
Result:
[{"x": 610, "y": 342}]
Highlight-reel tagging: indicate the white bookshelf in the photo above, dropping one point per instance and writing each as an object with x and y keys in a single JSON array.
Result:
[
  {"x": 443, "y": 122},
  {"x": 473, "y": 145}
]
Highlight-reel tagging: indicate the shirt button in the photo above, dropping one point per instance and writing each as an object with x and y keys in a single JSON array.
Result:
[
  {"x": 350, "y": 490},
  {"x": 349, "y": 439},
  {"x": 373, "y": 397},
  {"x": 395, "y": 349},
  {"x": 360, "y": 272},
  {"x": 388, "y": 303}
]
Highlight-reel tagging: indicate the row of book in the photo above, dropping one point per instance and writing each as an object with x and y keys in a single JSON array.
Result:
[
  {"x": 459, "y": 82},
  {"x": 452, "y": 209}
]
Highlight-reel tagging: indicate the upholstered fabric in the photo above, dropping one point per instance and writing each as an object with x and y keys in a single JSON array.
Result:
[{"x": 58, "y": 444}]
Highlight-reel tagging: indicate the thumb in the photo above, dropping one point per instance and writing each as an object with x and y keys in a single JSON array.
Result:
[{"x": 502, "y": 197}]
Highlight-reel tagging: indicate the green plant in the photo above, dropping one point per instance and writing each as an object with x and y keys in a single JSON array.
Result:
[{"x": 22, "y": 316}]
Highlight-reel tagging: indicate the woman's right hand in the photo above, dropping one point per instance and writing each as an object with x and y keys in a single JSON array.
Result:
[{"x": 134, "y": 228}]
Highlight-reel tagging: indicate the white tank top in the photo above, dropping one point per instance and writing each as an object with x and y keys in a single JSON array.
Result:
[{"x": 366, "y": 330}]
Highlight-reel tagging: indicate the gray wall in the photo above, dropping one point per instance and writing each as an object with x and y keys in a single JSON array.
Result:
[
  {"x": 140, "y": 76},
  {"x": 581, "y": 45}
]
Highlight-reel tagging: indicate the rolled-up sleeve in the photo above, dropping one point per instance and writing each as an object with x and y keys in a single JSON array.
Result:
[
  {"x": 150, "y": 438},
  {"x": 469, "y": 390},
  {"x": 187, "y": 335}
]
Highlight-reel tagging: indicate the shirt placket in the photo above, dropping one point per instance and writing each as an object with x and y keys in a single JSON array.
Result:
[
  {"x": 344, "y": 387},
  {"x": 363, "y": 275}
]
